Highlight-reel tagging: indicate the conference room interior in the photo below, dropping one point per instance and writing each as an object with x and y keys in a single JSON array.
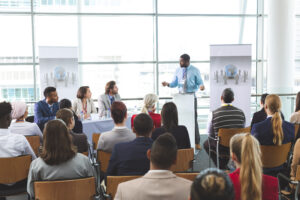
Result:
[{"x": 139, "y": 44}]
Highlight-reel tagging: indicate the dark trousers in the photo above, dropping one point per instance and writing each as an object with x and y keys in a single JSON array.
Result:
[
  {"x": 224, "y": 154},
  {"x": 197, "y": 135}
]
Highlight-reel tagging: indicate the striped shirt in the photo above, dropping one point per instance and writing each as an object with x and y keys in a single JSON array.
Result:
[{"x": 226, "y": 116}]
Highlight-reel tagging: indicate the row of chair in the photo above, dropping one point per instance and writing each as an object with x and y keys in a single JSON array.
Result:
[{"x": 185, "y": 157}]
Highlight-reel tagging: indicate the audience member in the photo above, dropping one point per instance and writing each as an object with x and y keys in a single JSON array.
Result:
[
  {"x": 79, "y": 140},
  {"x": 11, "y": 145},
  {"x": 45, "y": 110},
  {"x": 212, "y": 184},
  {"x": 227, "y": 116},
  {"x": 130, "y": 158},
  {"x": 106, "y": 100},
  {"x": 261, "y": 115},
  {"x": 248, "y": 179},
  {"x": 59, "y": 159},
  {"x": 20, "y": 126},
  {"x": 159, "y": 182},
  {"x": 295, "y": 118},
  {"x": 149, "y": 108},
  {"x": 66, "y": 103},
  {"x": 296, "y": 160},
  {"x": 84, "y": 106},
  {"x": 120, "y": 133},
  {"x": 169, "y": 116}
]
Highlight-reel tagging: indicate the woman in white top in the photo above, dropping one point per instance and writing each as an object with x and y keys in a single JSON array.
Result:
[
  {"x": 59, "y": 159},
  {"x": 295, "y": 117},
  {"x": 20, "y": 126},
  {"x": 84, "y": 105}
]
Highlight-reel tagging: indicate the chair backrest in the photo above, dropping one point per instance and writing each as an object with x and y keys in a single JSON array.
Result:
[
  {"x": 95, "y": 139},
  {"x": 14, "y": 169},
  {"x": 103, "y": 157},
  {"x": 78, "y": 189},
  {"x": 225, "y": 134},
  {"x": 184, "y": 160},
  {"x": 34, "y": 142},
  {"x": 296, "y": 130},
  {"x": 114, "y": 181},
  {"x": 85, "y": 153},
  {"x": 189, "y": 176},
  {"x": 273, "y": 155}
]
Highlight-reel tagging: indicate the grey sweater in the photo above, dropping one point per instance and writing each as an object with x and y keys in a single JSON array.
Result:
[
  {"x": 77, "y": 167},
  {"x": 108, "y": 140}
]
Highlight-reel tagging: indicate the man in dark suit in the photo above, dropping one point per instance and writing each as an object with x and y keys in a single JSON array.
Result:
[
  {"x": 261, "y": 115},
  {"x": 45, "y": 110},
  {"x": 130, "y": 158}
]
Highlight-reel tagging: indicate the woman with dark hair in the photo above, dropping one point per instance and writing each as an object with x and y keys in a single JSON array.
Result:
[
  {"x": 66, "y": 103},
  {"x": 295, "y": 118},
  {"x": 169, "y": 116},
  {"x": 212, "y": 184},
  {"x": 59, "y": 159},
  {"x": 83, "y": 106}
]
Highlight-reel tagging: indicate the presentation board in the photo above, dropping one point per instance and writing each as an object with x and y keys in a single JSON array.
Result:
[
  {"x": 230, "y": 67},
  {"x": 59, "y": 68}
]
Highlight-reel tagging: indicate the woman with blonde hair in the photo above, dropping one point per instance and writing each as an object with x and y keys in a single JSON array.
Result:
[
  {"x": 273, "y": 130},
  {"x": 149, "y": 108},
  {"x": 248, "y": 179}
]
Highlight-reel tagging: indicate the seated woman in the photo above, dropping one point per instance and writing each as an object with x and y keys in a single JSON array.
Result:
[
  {"x": 59, "y": 159},
  {"x": 79, "y": 140},
  {"x": 212, "y": 184},
  {"x": 20, "y": 126},
  {"x": 84, "y": 106},
  {"x": 149, "y": 108},
  {"x": 66, "y": 103},
  {"x": 169, "y": 116},
  {"x": 248, "y": 179},
  {"x": 295, "y": 117}
]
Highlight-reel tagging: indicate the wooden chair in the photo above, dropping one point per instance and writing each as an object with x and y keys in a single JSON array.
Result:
[
  {"x": 296, "y": 130},
  {"x": 114, "y": 181},
  {"x": 34, "y": 141},
  {"x": 103, "y": 158},
  {"x": 95, "y": 139},
  {"x": 185, "y": 159},
  {"x": 296, "y": 182},
  {"x": 14, "y": 170},
  {"x": 273, "y": 155},
  {"x": 85, "y": 153},
  {"x": 223, "y": 138},
  {"x": 78, "y": 189}
]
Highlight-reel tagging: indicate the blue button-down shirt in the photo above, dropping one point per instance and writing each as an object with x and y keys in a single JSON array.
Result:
[{"x": 193, "y": 79}]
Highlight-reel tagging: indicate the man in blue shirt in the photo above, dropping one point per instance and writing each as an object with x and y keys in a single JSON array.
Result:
[
  {"x": 188, "y": 80},
  {"x": 45, "y": 110}
]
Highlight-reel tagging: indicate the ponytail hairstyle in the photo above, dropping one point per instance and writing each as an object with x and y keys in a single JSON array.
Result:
[
  {"x": 273, "y": 104},
  {"x": 149, "y": 102},
  {"x": 247, "y": 151}
]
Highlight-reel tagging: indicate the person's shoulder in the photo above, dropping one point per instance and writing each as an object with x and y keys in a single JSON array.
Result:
[
  {"x": 123, "y": 145},
  {"x": 102, "y": 96},
  {"x": 183, "y": 181},
  {"x": 105, "y": 134},
  {"x": 270, "y": 180},
  {"x": 262, "y": 123}
]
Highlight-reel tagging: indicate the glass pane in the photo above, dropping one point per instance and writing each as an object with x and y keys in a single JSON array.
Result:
[
  {"x": 15, "y": 39},
  {"x": 194, "y": 35},
  {"x": 15, "y": 5},
  {"x": 15, "y": 82},
  {"x": 207, "y": 7},
  {"x": 117, "y": 39},
  {"x": 133, "y": 80},
  {"x": 94, "y": 6},
  {"x": 56, "y": 31}
]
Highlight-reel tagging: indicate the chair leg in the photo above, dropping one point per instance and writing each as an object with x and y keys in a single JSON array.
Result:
[
  {"x": 218, "y": 164},
  {"x": 297, "y": 191}
]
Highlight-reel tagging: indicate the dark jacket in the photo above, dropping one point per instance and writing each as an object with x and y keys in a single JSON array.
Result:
[
  {"x": 78, "y": 124},
  {"x": 260, "y": 116},
  {"x": 43, "y": 114},
  {"x": 80, "y": 141},
  {"x": 130, "y": 158},
  {"x": 180, "y": 133}
]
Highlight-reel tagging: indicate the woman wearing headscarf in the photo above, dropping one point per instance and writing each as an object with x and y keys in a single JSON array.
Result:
[{"x": 19, "y": 125}]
